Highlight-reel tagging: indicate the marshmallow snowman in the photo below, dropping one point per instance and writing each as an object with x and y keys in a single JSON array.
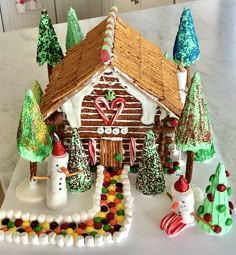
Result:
[
  {"x": 56, "y": 193},
  {"x": 183, "y": 200}
]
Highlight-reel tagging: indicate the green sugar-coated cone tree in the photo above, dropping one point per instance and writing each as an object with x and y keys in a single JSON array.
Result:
[
  {"x": 48, "y": 49},
  {"x": 150, "y": 177},
  {"x": 74, "y": 33},
  {"x": 193, "y": 132},
  {"x": 78, "y": 161},
  {"x": 216, "y": 209},
  {"x": 33, "y": 140}
]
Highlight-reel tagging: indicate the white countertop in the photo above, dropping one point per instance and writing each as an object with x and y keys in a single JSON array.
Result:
[{"x": 215, "y": 24}]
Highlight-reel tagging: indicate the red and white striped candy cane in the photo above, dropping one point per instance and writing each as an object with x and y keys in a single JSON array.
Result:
[
  {"x": 92, "y": 151},
  {"x": 101, "y": 112},
  {"x": 120, "y": 101},
  {"x": 132, "y": 151}
]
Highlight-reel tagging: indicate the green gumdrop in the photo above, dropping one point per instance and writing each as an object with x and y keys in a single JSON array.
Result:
[
  {"x": 118, "y": 157},
  {"x": 200, "y": 209},
  {"x": 133, "y": 169},
  {"x": 106, "y": 227},
  {"x": 63, "y": 233},
  {"x": 207, "y": 188},
  {"x": 93, "y": 169},
  {"x": 113, "y": 182},
  {"x": 176, "y": 168},
  {"x": 120, "y": 196},
  {"x": 11, "y": 224},
  {"x": 229, "y": 191},
  {"x": 211, "y": 179},
  {"x": 121, "y": 212},
  {"x": 37, "y": 229},
  {"x": 228, "y": 222},
  {"x": 97, "y": 219},
  {"x": 165, "y": 170},
  {"x": 168, "y": 160},
  {"x": 93, "y": 233},
  {"x": 221, "y": 208},
  {"x": 104, "y": 190}
]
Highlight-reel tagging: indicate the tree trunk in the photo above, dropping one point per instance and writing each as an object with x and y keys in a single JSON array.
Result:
[
  {"x": 161, "y": 147},
  {"x": 33, "y": 169},
  {"x": 49, "y": 70},
  {"x": 189, "y": 166},
  {"x": 188, "y": 77}
]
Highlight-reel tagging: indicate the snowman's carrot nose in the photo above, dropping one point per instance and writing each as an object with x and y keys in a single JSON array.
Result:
[
  {"x": 64, "y": 170},
  {"x": 175, "y": 205}
]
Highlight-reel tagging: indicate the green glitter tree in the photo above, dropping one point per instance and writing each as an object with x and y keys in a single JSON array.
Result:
[
  {"x": 186, "y": 49},
  {"x": 74, "y": 34},
  {"x": 150, "y": 177},
  {"x": 78, "y": 161},
  {"x": 48, "y": 49},
  {"x": 33, "y": 140},
  {"x": 217, "y": 209},
  {"x": 193, "y": 132},
  {"x": 38, "y": 92}
]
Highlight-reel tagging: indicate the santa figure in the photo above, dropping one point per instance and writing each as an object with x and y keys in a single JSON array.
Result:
[
  {"x": 56, "y": 193},
  {"x": 182, "y": 208}
]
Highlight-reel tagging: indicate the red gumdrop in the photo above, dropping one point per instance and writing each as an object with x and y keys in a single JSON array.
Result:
[
  {"x": 210, "y": 197},
  {"x": 227, "y": 173},
  {"x": 174, "y": 123},
  {"x": 103, "y": 197},
  {"x": 231, "y": 205},
  {"x": 171, "y": 171},
  {"x": 207, "y": 217},
  {"x": 106, "y": 184},
  {"x": 112, "y": 231},
  {"x": 105, "y": 56},
  {"x": 64, "y": 225},
  {"x": 111, "y": 204},
  {"x": 119, "y": 190},
  {"x": 221, "y": 187},
  {"x": 217, "y": 229},
  {"x": 176, "y": 163}
]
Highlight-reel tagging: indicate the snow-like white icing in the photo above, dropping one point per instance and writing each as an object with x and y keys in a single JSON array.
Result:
[
  {"x": 182, "y": 79},
  {"x": 72, "y": 107}
]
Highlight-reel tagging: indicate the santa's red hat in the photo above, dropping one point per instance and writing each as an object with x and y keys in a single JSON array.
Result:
[
  {"x": 181, "y": 185},
  {"x": 58, "y": 149}
]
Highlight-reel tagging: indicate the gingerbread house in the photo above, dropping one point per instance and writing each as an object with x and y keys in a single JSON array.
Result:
[{"x": 113, "y": 87}]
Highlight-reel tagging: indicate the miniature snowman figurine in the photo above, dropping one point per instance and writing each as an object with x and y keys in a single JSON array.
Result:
[
  {"x": 56, "y": 193},
  {"x": 182, "y": 208}
]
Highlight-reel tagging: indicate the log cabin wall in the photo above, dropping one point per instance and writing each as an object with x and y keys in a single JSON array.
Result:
[{"x": 129, "y": 119}]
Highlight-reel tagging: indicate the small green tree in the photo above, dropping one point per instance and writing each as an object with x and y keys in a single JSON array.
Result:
[
  {"x": 33, "y": 140},
  {"x": 150, "y": 177},
  {"x": 48, "y": 49},
  {"x": 193, "y": 132},
  {"x": 74, "y": 33},
  {"x": 217, "y": 208},
  {"x": 78, "y": 161},
  {"x": 37, "y": 92},
  {"x": 186, "y": 49}
]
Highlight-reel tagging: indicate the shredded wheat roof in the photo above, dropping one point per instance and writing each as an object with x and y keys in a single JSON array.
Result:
[{"x": 133, "y": 55}]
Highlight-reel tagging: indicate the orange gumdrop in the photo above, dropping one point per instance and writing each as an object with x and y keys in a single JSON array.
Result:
[
  {"x": 113, "y": 210},
  {"x": 5, "y": 229},
  {"x": 28, "y": 229},
  {"x": 111, "y": 192},
  {"x": 103, "y": 202},
  {"x": 116, "y": 200},
  {"x": 89, "y": 222},
  {"x": 107, "y": 179},
  {"x": 119, "y": 171},
  {"x": 107, "y": 174},
  {"x": 57, "y": 230},
  {"x": 113, "y": 222},
  {"x": 79, "y": 231}
]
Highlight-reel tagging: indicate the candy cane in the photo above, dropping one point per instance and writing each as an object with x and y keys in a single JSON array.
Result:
[
  {"x": 132, "y": 151},
  {"x": 175, "y": 226},
  {"x": 167, "y": 219},
  {"x": 120, "y": 101},
  {"x": 92, "y": 152},
  {"x": 103, "y": 100}
]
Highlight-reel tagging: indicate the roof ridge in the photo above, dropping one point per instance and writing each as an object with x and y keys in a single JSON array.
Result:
[{"x": 108, "y": 43}]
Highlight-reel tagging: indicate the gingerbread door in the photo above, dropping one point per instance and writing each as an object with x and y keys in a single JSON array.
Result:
[{"x": 109, "y": 149}]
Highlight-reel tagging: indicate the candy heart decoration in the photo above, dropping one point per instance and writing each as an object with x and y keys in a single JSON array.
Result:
[{"x": 118, "y": 102}]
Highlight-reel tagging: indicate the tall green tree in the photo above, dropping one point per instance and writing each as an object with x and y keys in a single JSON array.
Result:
[
  {"x": 78, "y": 161},
  {"x": 37, "y": 92},
  {"x": 217, "y": 208},
  {"x": 48, "y": 49},
  {"x": 193, "y": 132},
  {"x": 186, "y": 48},
  {"x": 74, "y": 33},
  {"x": 150, "y": 177},
  {"x": 33, "y": 140}
]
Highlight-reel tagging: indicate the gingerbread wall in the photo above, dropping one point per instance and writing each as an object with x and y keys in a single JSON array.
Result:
[{"x": 130, "y": 117}]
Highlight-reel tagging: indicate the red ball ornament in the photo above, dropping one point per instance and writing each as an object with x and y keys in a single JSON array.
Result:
[
  {"x": 207, "y": 217},
  {"x": 174, "y": 123},
  {"x": 231, "y": 205},
  {"x": 221, "y": 187},
  {"x": 210, "y": 197},
  {"x": 217, "y": 229}
]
